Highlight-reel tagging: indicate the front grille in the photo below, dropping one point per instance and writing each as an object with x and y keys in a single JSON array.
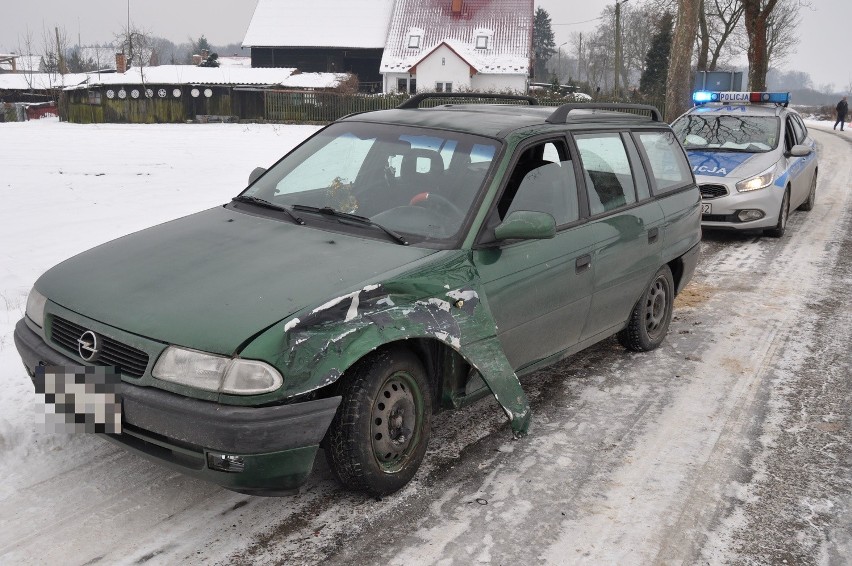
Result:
[
  {"x": 129, "y": 360},
  {"x": 709, "y": 192}
]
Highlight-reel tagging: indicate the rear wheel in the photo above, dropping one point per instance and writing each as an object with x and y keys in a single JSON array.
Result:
[
  {"x": 378, "y": 437},
  {"x": 649, "y": 321},
  {"x": 781, "y": 226},
  {"x": 809, "y": 204}
]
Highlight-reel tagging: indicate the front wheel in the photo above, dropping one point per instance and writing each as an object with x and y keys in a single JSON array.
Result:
[
  {"x": 649, "y": 321},
  {"x": 378, "y": 437},
  {"x": 781, "y": 226},
  {"x": 809, "y": 204}
]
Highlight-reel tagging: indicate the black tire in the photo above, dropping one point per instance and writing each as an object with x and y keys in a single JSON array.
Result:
[
  {"x": 650, "y": 318},
  {"x": 378, "y": 437},
  {"x": 809, "y": 204},
  {"x": 783, "y": 214}
]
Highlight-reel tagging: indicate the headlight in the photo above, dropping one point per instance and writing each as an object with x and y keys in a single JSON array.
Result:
[
  {"x": 216, "y": 373},
  {"x": 35, "y": 307},
  {"x": 760, "y": 181}
]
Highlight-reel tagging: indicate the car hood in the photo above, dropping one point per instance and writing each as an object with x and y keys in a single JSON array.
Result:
[
  {"x": 212, "y": 280},
  {"x": 735, "y": 165}
]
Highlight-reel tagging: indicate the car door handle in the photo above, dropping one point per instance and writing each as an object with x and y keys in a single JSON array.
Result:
[
  {"x": 583, "y": 263},
  {"x": 653, "y": 234}
]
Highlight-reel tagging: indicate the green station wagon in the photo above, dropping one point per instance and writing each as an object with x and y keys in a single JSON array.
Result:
[{"x": 394, "y": 264}]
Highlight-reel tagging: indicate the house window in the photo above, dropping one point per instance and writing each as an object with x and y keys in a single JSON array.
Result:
[
  {"x": 406, "y": 85},
  {"x": 443, "y": 87},
  {"x": 414, "y": 42},
  {"x": 93, "y": 97},
  {"x": 482, "y": 42}
]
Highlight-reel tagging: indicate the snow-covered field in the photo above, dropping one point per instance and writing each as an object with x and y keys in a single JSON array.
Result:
[{"x": 65, "y": 188}]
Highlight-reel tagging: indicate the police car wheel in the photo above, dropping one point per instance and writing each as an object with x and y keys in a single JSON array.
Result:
[
  {"x": 780, "y": 228},
  {"x": 809, "y": 204}
]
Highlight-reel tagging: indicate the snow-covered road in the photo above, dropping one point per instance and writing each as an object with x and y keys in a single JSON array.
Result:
[{"x": 729, "y": 444}]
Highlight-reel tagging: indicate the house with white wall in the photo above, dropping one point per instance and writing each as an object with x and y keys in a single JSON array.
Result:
[{"x": 458, "y": 45}]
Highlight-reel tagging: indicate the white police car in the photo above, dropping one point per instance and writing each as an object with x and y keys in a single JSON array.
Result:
[{"x": 752, "y": 157}]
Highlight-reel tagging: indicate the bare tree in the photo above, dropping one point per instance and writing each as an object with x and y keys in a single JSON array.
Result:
[
  {"x": 719, "y": 26},
  {"x": 781, "y": 26},
  {"x": 26, "y": 47},
  {"x": 679, "y": 83},
  {"x": 756, "y": 14}
]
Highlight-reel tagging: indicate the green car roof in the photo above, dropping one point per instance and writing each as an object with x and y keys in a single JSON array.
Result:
[{"x": 498, "y": 120}]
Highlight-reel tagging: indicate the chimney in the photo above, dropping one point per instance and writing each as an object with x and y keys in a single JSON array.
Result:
[
  {"x": 456, "y": 7},
  {"x": 120, "y": 63}
]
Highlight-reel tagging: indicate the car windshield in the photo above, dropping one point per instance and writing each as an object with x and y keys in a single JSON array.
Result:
[
  {"x": 414, "y": 181},
  {"x": 750, "y": 134}
]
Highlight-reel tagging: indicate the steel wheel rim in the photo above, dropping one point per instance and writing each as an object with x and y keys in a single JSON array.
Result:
[
  {"x": 656, "y": 307},
  {"x": 395, "y": 421}
]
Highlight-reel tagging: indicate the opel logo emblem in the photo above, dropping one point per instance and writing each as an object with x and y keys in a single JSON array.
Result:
[{"x": 88, "y": 346}]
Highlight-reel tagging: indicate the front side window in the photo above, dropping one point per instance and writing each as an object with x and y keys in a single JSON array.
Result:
[
  {"x": 416, "y": 181},
  {"x": 727, "y": 132},
  {"x": 609, "y": 179},
  {"x": 543, "y": 181},
  {"x": 667, "y": 161}
]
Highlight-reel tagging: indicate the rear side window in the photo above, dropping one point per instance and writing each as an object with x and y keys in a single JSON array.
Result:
[
  {"x": 609, "y": 180},
  {"x": 666, "y": 159}
]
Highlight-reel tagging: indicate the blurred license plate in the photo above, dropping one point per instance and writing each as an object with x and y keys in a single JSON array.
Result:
[{"x": 706, "y": 208}]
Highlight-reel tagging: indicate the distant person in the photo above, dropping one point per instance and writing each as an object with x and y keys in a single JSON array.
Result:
[{"x": 842, "y": 108}]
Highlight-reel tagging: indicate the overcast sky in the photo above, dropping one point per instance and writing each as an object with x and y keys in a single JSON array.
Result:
[{"x": 821, "y": 52}]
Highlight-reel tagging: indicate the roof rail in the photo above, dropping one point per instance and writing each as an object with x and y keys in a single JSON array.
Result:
[
  {"x": 414, "y": 101},
  {"x": 560, "y": 115}
]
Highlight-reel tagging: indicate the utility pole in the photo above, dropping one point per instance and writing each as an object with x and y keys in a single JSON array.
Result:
[
  {"x": 559, "y": 63},
  {"x": 580, "y": 59},
  {"x": 618, "y": 49}
]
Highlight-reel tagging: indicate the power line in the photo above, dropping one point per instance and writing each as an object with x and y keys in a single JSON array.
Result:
[{"x": 578, "y": 23}]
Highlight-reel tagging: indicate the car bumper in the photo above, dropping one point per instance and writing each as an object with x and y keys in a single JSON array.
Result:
[
  {"x": 277, "y": 445},
  {"x": 724, "y": 209}
]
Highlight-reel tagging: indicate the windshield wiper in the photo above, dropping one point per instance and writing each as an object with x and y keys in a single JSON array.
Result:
[
  {"x": 266, "y": 204},
  {"x": 328, "y": 211}
]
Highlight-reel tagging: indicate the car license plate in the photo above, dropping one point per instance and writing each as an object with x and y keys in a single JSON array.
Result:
[
  {"x": 706, "y": 208},
  {"x": 78, "y": 399}
]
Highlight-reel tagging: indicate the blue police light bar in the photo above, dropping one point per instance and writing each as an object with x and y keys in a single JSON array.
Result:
[{"x": 703, "y": 97}]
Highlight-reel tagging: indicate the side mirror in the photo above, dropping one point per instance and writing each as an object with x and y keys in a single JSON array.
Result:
[
  {"x": 526, "y": 225},
  {"x": 254, "y": 175},
  {"x": 800, "y": 151}
]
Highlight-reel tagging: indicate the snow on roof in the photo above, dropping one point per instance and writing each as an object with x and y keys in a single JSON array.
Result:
[
  {"x": 507, "y": 24},
  {"x": 174, "y": 75},
  {"x": 22, "y": 62},
  {"x": 314, "y": 80},
  {"x": 190, "y": 74},
  {"x": 320, "y": 23},
  {"x": 234, "y": 61},
  {"x": 39, "y": 81}
]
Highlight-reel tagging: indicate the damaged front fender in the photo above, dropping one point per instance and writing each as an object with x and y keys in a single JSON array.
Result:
[{"x": 314, "y": 348}]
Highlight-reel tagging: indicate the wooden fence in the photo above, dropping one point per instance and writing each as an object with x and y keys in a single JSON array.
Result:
[{"x": 324, "y": 107}]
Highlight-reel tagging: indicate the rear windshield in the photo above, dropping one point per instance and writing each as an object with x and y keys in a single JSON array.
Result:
[
  {"x": 415, "y": 181},
  {"x": 706, "y": 131}
]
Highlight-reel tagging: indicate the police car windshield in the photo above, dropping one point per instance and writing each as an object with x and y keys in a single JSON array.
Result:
[{"x": 748, "y": 134}]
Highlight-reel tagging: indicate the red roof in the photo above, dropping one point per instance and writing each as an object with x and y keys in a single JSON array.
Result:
[{"x": 508, "y": 23}]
